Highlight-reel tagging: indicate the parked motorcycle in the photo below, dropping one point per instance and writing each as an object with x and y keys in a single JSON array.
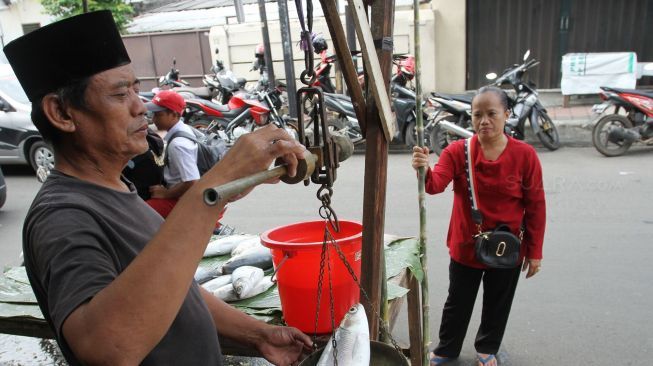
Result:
[
  {"x": 242, "y": 114},
  {"x": 526, "y": 106},
  {"x": 614, "y": 133},
  {"x": 403, "y": 104}
]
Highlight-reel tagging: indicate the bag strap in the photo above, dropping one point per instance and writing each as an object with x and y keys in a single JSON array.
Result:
[
  {"x": 477, "y": 216},
  {"x": 175, "y": 135}
]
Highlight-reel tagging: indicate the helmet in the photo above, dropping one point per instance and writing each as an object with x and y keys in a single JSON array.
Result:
[
  {"x": 260, "y": 50},
  {"x": 319, "y": 44}
]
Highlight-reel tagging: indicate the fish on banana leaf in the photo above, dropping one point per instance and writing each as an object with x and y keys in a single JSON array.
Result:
[
  {"x": 352, "y": 339},
  {"x": 255, "y": 257},
  {"x": 217, "y": 282},
  {"x": 225, "y": 244},
  {"x": 244, "y": 279},
  {"x": 246, "y": 245},
  {"x": 206, "y": 274},
  {"x": 228, "y": 294}
]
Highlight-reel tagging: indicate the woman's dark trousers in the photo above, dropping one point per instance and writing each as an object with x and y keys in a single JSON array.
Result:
[{"x": 498, "y": 291}]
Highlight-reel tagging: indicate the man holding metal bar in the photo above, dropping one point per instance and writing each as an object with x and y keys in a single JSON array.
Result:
[{"x": 113, "y": 280}]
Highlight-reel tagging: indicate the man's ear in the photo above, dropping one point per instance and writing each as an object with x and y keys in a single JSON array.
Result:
[{"x": 57, "y": 113}]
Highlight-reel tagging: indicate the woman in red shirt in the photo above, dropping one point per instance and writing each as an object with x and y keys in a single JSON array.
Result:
[{"x": 508, "y": 181}]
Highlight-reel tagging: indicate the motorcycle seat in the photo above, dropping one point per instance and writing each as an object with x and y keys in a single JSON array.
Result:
[
  {"x": 338, "y": 96},
  {"x": 218, "y": 107},
  {"x": 464, "y": 98},
  {"x": 644, "y": 93},
  {"x": 202, "y": 91}
]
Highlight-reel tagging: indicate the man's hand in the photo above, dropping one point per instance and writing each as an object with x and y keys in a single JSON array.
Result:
[
  {"x": 158, "y": 191},
  {"x": 255, "y": 152},
  {"x": 283, "y": 345}
]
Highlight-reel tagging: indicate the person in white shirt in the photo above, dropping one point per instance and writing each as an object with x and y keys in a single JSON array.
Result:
[{"x": 180, "y": 171}]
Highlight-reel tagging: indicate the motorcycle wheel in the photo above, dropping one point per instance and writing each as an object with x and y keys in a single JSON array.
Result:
[
  {"x": 439, "y": 138},
  {"x": 600, "y": 135},
  {"x": 201, "y": 124},
  {"x": 548, "y": 132},
  {"x": 410, "y": 135}
]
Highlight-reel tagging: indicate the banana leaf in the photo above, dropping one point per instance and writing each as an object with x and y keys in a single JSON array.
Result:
[{"x": 402, "y": 254}]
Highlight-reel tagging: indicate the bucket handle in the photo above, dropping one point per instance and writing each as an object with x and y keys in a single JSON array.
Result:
[{"x": 285, "y": 257}]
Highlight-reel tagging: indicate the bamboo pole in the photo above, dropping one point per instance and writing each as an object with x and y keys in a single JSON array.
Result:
[{"x": 420, "y": 188}]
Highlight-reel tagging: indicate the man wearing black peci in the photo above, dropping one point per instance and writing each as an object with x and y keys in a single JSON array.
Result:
[{"x": 113, "y": 280}]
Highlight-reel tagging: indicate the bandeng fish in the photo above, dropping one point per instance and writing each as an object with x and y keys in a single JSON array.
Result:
[
  {"x": 255, "y": 257},
  {"x": 246, "y": 245},
  {"x": 352, "y": 339},
  {"x": 227, "y": 292},
  {"x": 206, "y": 274},
  {"x": 245, "y": 278},
  {"x": 225, "y": 245},
  {"x": 217, "y": 282}
]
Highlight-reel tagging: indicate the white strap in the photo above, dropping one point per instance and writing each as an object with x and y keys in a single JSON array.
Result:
[{"x": 470, "y": 173}]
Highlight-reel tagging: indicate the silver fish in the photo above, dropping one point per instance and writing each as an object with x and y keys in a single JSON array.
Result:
[
  {"x": 257, "y": 257},
  {"x": 217, "y": 282},
  {"x": 246, "y": 245},
  {"x": 228, "y": 294},
  {"x": 205, "y": 274},
  {"x": 352, "y": 339},
  {"x": 225, "y": 244},
  {"x": 263, "y": 285},
  {"x": 244, "y": 279}
]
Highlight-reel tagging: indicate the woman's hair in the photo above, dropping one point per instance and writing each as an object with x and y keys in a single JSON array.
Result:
[
  {"x": 73, "y": 94},
  {"x": 506, "y": 102}
]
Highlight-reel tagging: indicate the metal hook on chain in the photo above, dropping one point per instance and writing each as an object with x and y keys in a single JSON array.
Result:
[{"x": 326, "y": 211}]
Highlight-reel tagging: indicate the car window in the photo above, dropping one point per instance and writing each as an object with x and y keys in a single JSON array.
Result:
[{"x": 10, "y": 86}]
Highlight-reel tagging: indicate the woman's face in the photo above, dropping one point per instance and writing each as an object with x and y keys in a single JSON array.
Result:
[{"x": 488, "y": 115}]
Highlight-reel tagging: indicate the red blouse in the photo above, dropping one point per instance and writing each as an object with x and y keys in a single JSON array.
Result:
[{"x": 509, "y": 190}]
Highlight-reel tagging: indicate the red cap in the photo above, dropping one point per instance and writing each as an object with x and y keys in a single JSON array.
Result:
[{"x": 167, "y": 99}]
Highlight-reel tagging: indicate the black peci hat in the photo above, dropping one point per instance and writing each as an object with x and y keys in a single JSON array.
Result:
[{"x": 59, "y": 53}]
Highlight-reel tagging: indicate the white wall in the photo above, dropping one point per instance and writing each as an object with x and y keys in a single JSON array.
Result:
[
  {"x": 450, "y": 38},
  {"x": 237, "y": 43},
  {"x": 21, "y": 12}
]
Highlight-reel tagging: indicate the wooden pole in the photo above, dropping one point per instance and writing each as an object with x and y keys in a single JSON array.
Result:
[
  {"x": 288, "y": 57},
  {"x": 85, "y": 6},
  {"x": 376, "y": 168},
  {"x": 375, "y": 74},
  {"x": 266, "y": 41},
  {"x": 420, "y": 188},
  {"x": 346, "y": 63}
]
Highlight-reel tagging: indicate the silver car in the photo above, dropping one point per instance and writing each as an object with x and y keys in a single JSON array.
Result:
[{"x": 20, "y": 141}]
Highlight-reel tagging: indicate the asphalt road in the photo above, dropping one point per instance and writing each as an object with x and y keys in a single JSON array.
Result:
[{"x": 590, "y": 304}]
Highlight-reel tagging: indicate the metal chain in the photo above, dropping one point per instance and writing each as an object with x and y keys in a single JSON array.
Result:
[
  {"x": 367, "y": 298},
  {"x": 308, "y": 76},
  {"x": 331, "y": 300},
  {"x": 326, "y": 211},
  {"x": 320, "y": 282}
]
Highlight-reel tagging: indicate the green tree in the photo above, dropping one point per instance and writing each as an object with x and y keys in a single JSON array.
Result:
[{"x": 60, "y": 9}]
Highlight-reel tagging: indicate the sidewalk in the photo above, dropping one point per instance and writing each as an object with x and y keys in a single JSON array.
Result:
[{"x": 574, "y": 124}]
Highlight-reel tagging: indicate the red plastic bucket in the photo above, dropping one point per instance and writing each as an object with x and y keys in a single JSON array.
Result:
[{"x": 297, "y": 275}]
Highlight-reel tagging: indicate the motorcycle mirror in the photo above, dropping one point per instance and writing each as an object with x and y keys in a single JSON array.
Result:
[
  {"x": 528, "y": 53},
  {"x": 161, "y": 79},
  {"x": 217, "y": 50},
  {"x": 174, "y": 62},
  {"x": 491, "y": 76}
]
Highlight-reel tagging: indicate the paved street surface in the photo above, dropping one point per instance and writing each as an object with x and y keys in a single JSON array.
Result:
[{"x": 590, "y": 304}]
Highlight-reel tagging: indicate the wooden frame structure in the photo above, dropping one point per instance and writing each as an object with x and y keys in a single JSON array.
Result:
[{"x": 375, "y": 119}]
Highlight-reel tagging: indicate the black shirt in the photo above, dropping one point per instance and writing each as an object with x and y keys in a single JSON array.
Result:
[{"x": 78, "y": 237}]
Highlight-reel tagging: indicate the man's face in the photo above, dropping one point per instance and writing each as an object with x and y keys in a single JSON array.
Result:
[
  {"x": 115, "y": 124},
  {"x": 165, "y": 120}
]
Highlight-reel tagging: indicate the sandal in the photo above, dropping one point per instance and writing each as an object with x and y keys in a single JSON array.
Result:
[
  {"x": 484, "y": 361},
  {"x": 438, "y": 360}
]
